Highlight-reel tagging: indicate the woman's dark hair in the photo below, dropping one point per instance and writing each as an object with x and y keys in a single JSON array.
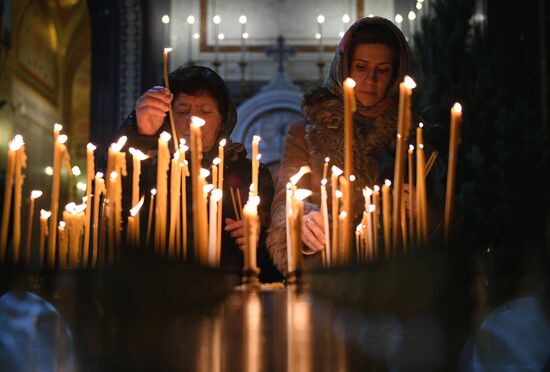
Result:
[
  {"x": 376, "y": 34},
  {"x": 193, "y": 80}
]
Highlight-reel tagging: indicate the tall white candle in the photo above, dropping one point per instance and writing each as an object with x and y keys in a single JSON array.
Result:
[{"x": 215, "y": 196}]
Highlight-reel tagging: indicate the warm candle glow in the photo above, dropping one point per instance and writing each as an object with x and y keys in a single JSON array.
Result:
[
  {"x": 204, "y": 173},
  {"x": 45, "y": 214},
  {"x": 303, "y": 170},
  {"x": 338, "y": 193},
  {"x": 153, "y": 192},
  {"x": 324, "y": 182},
  {"x": 140, "y": 155},
  {"x": 223, "y": 142},
  {"x": 135, "y": 210},
  {"x": 216, "y": 194},
  {"x": 35, "y": 194},
  {"x": 387, "y": 183},
  {"x": 197, "y": 122},
  {"x": 119, "y": 144},
  {"x": 91, "y": 147},
  {"x": 336, "y": 171},
  {"x": 367, "y": 191},
  {"x": 376, "y": 188},
  {"x": 207, "y": 188},
  {"x": 99, "y": 175},
  {"x": 457, "y": 107},
  {"x": 350, "y": 83},
  {"x": 57, "y": 127},
  {"x": 352, "y": 178},
  {"x": 113, "y": 175},
  {"x": 301, "y": 194},
  {"x": 76, "y": 171},
  {"x": 167, "y": 50},
  {"x": 216, "y": 161},
  {"x": 411, "y": 148},
  {"x": 409, "y": 82},
  {"x": 165, "y": 136}
]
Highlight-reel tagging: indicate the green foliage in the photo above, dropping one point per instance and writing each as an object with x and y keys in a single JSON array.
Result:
[{"x": 502, "y": 154}]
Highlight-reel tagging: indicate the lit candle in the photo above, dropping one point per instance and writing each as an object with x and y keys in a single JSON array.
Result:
[
  {"x": 12, "y": 150},
  {"x": 215, "y": 197},
  {"x": 214, "y": 172},
  {"x": 110, "y": 206},
  {"x": 20, "y": 163},
  {"x": 369, "y": 208},
  {"x": 150, "y": 219},
  {"x": 216, "y": 20},
  {"x": 255, "y": 163},
  {"x": 133, "y": 236},
  {"x": 244, "y": 35},
  {"x": 251, "y": 232},
  {"x": 421, "y": 214},
  {"x": 358, "y": 232},
  {"x": 325, "y": 168},
  {"x": 62, "y": 245},
  {"x": 411, "y": 194},
  {"x": 324, "y": 213},
  {"x": 375, "y": 217},
  {"x": 35, "y": 194},
  {"x": 99, "y": 189},
  {"x": 403, "y": 126},
  {"x": 163, "y": 166},
  {"x": 60, "y": 153},
  {"x": 184, "y": 174},
  {"x": 196, "y": 159},
  {"x": 336, "y": 172},
  {"x": 203, "y": 216},
  {"x": 349, "y": 109},
  {"x": 386, "y": 212},
  {"x": 90, "y": 174},
  {"x": 170, "y": 113},
  {"x": 175, "y": 187},
  {"x": 297, "y": 202},
  {"x": 456, "y": 117},
  {"x": 44, "y": 215},
  {"x": 221, "y": 154},
  {"x": 116, "y": 162},
  {"x": 320, "y": 21},
  {"x": 137, "y": 158}
]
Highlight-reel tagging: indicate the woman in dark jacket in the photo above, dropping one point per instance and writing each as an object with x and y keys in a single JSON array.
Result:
[{"x": 199, "y": 91}]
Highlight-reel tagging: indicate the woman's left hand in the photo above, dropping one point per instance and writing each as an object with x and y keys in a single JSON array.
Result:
[{"x": 236, "y": 230}]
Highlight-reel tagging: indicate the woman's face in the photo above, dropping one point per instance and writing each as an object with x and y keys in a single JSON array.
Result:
[
  {"x": 372, "y": 69},
  {"x": 201, "y": 105}
]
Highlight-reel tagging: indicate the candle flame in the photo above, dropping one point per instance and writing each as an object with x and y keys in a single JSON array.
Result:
[
  {"x": 216, "y": 195},
  {"x": 62, "y": 225},
  {"x": 99, "y": 175},
  {"x": 216, "y": 161},
  {"x": 303, "y": 170},
  {"x": 204, "y": 173},
  {"x": 119, "y": 144},
  {"x": 81, "y": 186},
  {"x": 153, "y": 192},
  {"x": 350, "y": 83},
  {"x": 324, "y": 182},
  {"x": 176, "y": 155},
  {"x": 79, "y": 208},
  {"x": 134, "y": 211},
  {"x": 137, "y": 153},
  {"x": 57, "y": 127},
  {"x": 421, "y": 146},
  {"x": 288, "y": 185},
  {"x": 165, "y": 136},
  {"x": 352, "y": 178},
  {"x": 301, "y": 194},
  {"x": 223, "y": 142},
  {"x": 62, "y": 138},
  {"x": 336, "y": 171},
  {"x": 457, "y": 107},
  {"x": 343, "y": 214},
  {"x": 409, "y": 82},
  {"x": 197, "y": 122},
  {"x": 376, "y": 188},
  {"x": 45, "y": 214},
  {"x": 70, "y": 207},
  {"x": 387, "y": 183},
  {"x": 113, "y": 175},
  {"x": 327, "y": 159},
  {"x": 35, "y": 194},
  {"x": 167, "y": 50},
  {"x": 256, "y": 138},
  {"x": 48, "y": 170},
  {"x": 182, "y": 142},
  {"x": 184, "y": 148},
  {"x": 372, "y": 208},
  {"x": 367, "y": 191},
  {"x": 90, "y": 146},
  {"x": 76, "y": 171},
  {"x": 421, "y": 125},
  {"x": 207, "y": 188},
  {"x": 359, "y": 228},
  {"x": 411, "y": 148},
  {"x": 338, "y": 193},
  {"x": 258, "y": 157},
  {"x": 16, "y": 143}
]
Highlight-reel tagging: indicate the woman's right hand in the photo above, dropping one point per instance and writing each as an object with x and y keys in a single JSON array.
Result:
[
  {"x": 151, "y": 109},
  {"x": 313, "y": 231}
]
